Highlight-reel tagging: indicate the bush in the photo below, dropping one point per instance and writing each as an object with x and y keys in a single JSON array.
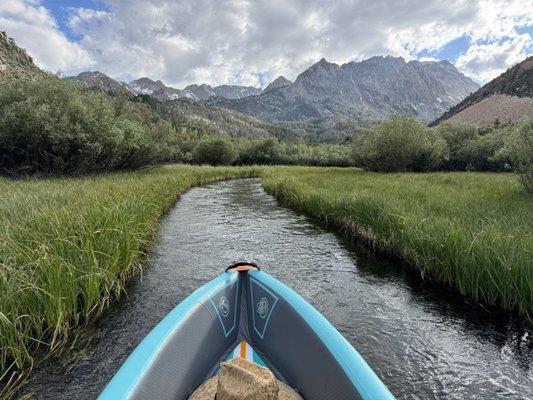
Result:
[
  {"x": 518, "y": 149},
  {"x": 469, "y": 149},
  {"x": 323, "y": 155},
  {"x": 270, "y": 151},
  {"x": 479, "y": 154},
  {"x": 456, "y": 137},
  {"x": 400, "y": 143},
  {"x": 266, "y": 152},
  {"x": 54, "y": 126},
  {"x": 214, "y": 151}
]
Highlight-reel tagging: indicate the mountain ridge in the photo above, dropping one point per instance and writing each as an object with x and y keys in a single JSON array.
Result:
[
  {"x": 280, "y": 81},
  {"x": 328, "y": 95},
  {"x": 161, "y": 91},
  {"x": 507, "y": 98},
  {"x": 205, "y": 91},
  {"x": 326, "y": 102},
  {"x": 14, "y": 60},
  {"x": 158, "y": 89}
]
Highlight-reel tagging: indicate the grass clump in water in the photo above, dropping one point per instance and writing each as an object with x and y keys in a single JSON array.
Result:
[
  {"x": 472, "y": 231},
  {"x": 68, "y": 245}
]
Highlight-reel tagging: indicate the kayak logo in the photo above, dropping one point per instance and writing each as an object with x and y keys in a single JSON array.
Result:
[
  {"x": 224, "y": 302},
  {"x": 223, "y": 306},
  {"x": 262, "y": 304},
  {"x": 262, "y": 307}
]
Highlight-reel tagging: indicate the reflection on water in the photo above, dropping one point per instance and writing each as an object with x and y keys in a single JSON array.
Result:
[{"x": 423, "y": 342}]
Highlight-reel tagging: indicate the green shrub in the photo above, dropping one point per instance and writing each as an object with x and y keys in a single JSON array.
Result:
[
  {"x": 456, "y": 136},
  {"x": 479, "y": 154},
  {"x": 400, "y": 143},
  {"x": 324, "y": 155},
  {"x": 54, "y": 126},
  {"x": 469, "y": 149},
  {"x": 265, "y": 152},
  {"x": 214, "y": 151},
  {"x": 271, "y": 151},
  {"x": 518, "y": 149}
]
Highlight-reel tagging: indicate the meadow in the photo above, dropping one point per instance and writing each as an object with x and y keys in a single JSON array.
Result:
[
  {"x": 69, "y": 245},
  {"x": 470, "y": 231}
]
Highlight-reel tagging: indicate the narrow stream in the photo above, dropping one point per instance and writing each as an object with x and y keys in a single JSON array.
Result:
[{"x": 422, "y": 341}]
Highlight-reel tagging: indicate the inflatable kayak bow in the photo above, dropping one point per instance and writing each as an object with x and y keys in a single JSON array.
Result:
[{"x": 245, "y": 312}]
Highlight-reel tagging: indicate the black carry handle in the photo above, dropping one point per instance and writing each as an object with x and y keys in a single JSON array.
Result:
[{"x": 240, "y": 264}]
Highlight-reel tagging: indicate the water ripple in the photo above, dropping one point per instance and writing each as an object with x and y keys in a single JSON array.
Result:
[{"x": 422, "y": 341}]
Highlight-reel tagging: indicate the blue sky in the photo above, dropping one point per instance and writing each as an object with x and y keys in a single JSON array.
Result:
[
  {"x": 252, "y": 42},
  {"x": 62, "y": 10},
  {"x": 450, "y": 51}
]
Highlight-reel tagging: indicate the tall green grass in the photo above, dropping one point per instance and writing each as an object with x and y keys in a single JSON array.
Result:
[
  {"x": 68, "y": 245},
  {"x": 471, "y": 231}
]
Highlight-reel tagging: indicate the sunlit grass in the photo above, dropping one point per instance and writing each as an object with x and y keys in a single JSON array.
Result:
[
  {"x": 472, "y": 231},
  {"x": 68, "y": 245}
]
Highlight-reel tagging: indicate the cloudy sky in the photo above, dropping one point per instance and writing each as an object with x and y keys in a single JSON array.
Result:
[{"x": 252, "y": 41}]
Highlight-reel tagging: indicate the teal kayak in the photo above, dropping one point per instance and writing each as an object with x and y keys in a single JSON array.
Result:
[{"x": 245, "y": 312}]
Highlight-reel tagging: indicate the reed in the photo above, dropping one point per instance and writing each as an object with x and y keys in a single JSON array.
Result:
[
  {"x": 69, "y": 245},
  {"x": 471, "y": 231}
]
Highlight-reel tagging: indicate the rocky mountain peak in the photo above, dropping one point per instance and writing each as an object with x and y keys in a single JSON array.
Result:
[
  {"x": 329, "y": 98},
  {"x": 158, "y": 89},
  {"x": 101, "y": 81},
  {"x": 201, "y": 92},
  {"x": 317, "y": 75},
  {"x": 146, "y": 85},
  {"x": 280, "y": 81},
  {"x": 381, "y": 60},
  {"x": 204, "y": 91},
  {"x": 323, "y": 64}
]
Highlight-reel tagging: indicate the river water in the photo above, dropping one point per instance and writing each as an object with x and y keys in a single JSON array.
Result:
[{"x": 423, "y": 342}]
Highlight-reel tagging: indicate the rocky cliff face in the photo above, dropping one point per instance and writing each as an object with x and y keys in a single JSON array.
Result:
[
  {"x": 203, "y": 91},
  {"x": 101, "y": 81},
  {"x": 507, "y": 98},
  {"x": 327, "y": 101},
  {"x": 279, "y": 82},
  {"x": 158, "y": 90},
  {"x": 331, "y": 95},
  {"x": 162, "y": 92},
  {"x": 14, "y": 61}
]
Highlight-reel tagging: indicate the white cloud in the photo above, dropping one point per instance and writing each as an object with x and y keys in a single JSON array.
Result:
[
  {"x": 495, "y": 42},
  {"x": 250, "y": 42},
  {"x": 34, "y": 29},
  {"x": 486, "y": 61}
]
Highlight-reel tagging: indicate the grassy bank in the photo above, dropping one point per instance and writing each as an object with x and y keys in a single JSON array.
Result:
[
  {"x": 68, "y": 245},
  {"x": 472, "y": 231}
]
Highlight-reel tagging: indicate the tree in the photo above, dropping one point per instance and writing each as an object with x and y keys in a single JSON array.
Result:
[
  {"x": 400, "y": 143},
  {"x": 55, "y": 126},
  {"x": 458, "y": 138},
  {"x": 518, "y": 149},
  {"x": 214, "y": 151},
  {"x": 261, "y": 152}
]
